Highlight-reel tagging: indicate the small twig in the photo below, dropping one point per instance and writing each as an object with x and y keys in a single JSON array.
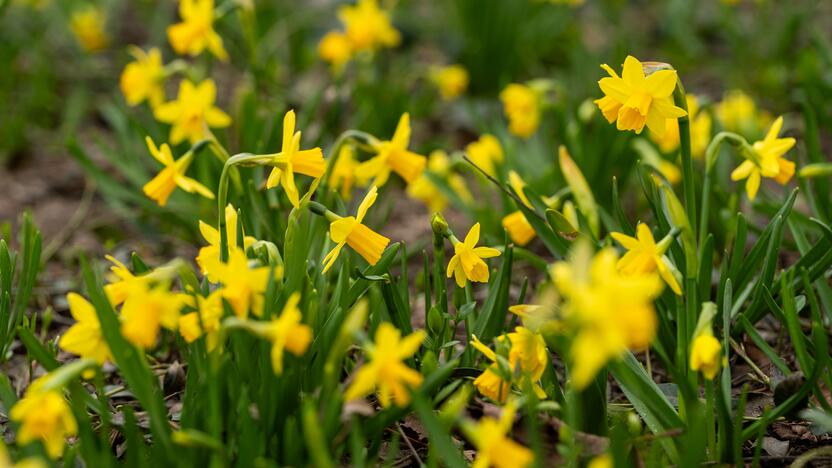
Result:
[
  {"x": 748, "y": 361},
  {"x": 74, "y": 222},
  {"x": 409, "y": 445}
]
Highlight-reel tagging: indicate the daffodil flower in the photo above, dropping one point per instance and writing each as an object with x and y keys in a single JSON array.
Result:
[
  {"x": 192, "y": 112},
  {"x": 486, "y": 152},
  {"x": 335, "y": 48},
  {"x": 205, "y": 320},
  {"x": 700, "y": 131},
  {"x": 351, "y": 231},
  {"x": 393, "y": 156},
  {"x": 288, "y": 333},
  {"x": 467, "y": 263},
  {"x": 148, "y": 309},
  {"x": 426, "y": 191},
  {"x": 343, "y": 171},
  {"x": 173, "y": 175},
  {"x": 489, "y": 382},
  {"x": 121, "y": 280},
  {"x": 737, "y": 112},
  {"x": 45, "y": 416},
  {"x": 208, "y": 258},
  {"x": 451, "y": 81},
  {"x": 88, "y": 27},
  {"x": 494, "y": 448},
  {"x": 606, "y": 312},
  {"x": 518, "y": 227},
  {"x": 521, "y": 104},
  {"x": 767, "y": 161},
  {"x": 527, "y": 353},
  {"x": 292, "y": 159},
  {"x": 143, "y": 79},
  {"x": 243, "y": 287},
  {"x": 646, "y": 256},
  {"x": 705, "y": 355},
  {"x": 367, "y": 26},
  {"x": 84, "y": 337},
  {"x": 634, "y": 100},
  {"x": 386, "y": 371},
  {"x": 196, "y": 31}
]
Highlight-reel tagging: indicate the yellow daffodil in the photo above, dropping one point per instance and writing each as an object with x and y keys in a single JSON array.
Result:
[
  {"x": 601, "y": 461},
  {"x": 243, "y": 287},
  {"x": 700, "y": 131},
  {"x": 335, "y": 48},
  {"x": 28, "y": 462},
  {"x": 705, "y": 355},
  {"x": 148, "y": 309},
  {"x": 467, "y": 263},
  {"x": 208, "y": 258},
  {"x": 606, "y": 312},
  {"x": 493, "y": 447},
  {"x": 766, "y": 160},
  {"x": 486, "y": 153},
  {"x": 88, "y": 27},
  {"x": 292, "y": 159},
  {"x": 351, "y": 231},
  {"x": 518, "y": 227},
  {"x": 192, "y": 112},
  {"x": 45, "y": 416},
  {"x": 343, "y": 172},
  {"x": 205, "y": 320},
  {"x": 634, "y": 100},
  {"x": 527, "y": 354},
  {"x": 738, "y": 113},
  {"x": 367, "y": 26},
  {"x": 386, "y": 371},
  {"x": 451, "y": 80},
  {"x": 143, "y": 79},
  {"x": 162, "y": 186},
  {"x": 521, "y": 104},
  {"x": 393, "y": 155},
  {"x": 288, "y": 333},
  {"x": 121, "y": 281},
  {"x": 196, "y": 31},
  {"x": 644, "y": 255},
  {"x": 84, "y": 337}
]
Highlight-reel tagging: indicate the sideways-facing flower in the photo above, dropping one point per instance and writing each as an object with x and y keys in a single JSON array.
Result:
[
  {"x": 196, "y": 31},
  {"x": 645, "y": 256},
  {"x": 173, "y": 175},
  {"x": 705, "y": 355},
  {"x": 292, "y": 159},
  {"x": 143, "y": 79},
  {"x": 243, "y": 286},
  {"x": 467, "y": 263},
  {"x": 335, "y": 48},
  {"x": 700, "y": 131},
  {"x": 766, "y": 160},
  {"x": 84, "y": 338},
  {"x": 527, "y": 354},
  {"x": 489, "y": 382},
  {"x": 386, "y": 371},
  {"x": 45, "y": 416},
  {"x": 493, "y": 447},
  {"x": 208, "y": 258},
  {"x": 521, "y": 104},
  {"x": 606, "y": 312},
  {"x": 192, "y": 112},
  {"x": 288, "y": 333},
  {"x": 120, "y": 282},
  {"x": 486, "y": 153},
  {"x": 205, "y": 320},
  {"x": 88, "y": 27},
  {"x": 451, "y": 80},
  {"x": 148, "y": 309},
  {"x": 634, "y": 100},
  {"x": 393, "y": 155},
  {"x": 367, "y": 26},
  {"x": 351, "y": 231}
]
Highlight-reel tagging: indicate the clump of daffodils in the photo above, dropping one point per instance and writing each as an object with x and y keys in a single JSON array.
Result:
[
  {"x": 604, "y": 311},
  {"x": 366, "y": 28}
]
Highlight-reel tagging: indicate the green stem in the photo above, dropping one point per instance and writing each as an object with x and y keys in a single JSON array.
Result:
[
  {"x": 688, "y": 183},
  {"x": 711, "y": 155},
  {"x": 709, "y": 419}
]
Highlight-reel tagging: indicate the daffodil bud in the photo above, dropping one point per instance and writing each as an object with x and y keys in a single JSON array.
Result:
[
  {"x": 439, "y": 225},
  {"x": 816, "y": 170},
  {"x": 436, "y": 323}
]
